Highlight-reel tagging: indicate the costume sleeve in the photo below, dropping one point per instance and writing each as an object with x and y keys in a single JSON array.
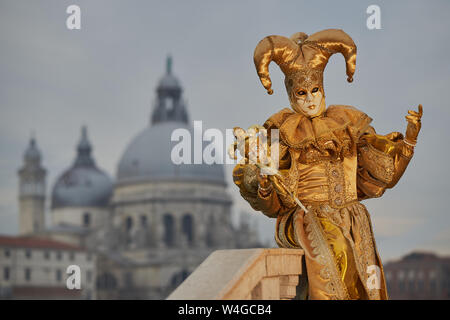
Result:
[
  {"x": 245, "y": 176},
  {"x": 382, "y": 160}
]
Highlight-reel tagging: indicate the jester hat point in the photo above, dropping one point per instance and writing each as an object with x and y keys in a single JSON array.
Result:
[{"x": 303, "y": 58}]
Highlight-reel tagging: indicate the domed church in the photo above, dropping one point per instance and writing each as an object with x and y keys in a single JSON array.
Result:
[
  {"x": 158, "y": 221},
  {"x": 81, "y": 194}
]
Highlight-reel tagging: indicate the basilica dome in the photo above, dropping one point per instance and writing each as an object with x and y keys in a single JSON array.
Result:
[
  {"x": 148, "y": 156},
  {"x": 83, "y": 184}
]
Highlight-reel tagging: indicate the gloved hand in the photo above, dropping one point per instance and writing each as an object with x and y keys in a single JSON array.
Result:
[
  {"x": 414, "y": 125},
  {"x": 264, "y": 183}
]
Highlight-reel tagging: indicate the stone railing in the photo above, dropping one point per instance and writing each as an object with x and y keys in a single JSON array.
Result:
[{"x": 246, "y": 274}]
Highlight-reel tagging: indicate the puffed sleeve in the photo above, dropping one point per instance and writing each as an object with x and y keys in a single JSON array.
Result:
[
  {"x": 245, "y": 176},
  {"x": 382, "y": 160}
]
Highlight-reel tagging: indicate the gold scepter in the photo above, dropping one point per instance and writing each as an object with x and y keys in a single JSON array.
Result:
[{"x": 267, "y": 166}]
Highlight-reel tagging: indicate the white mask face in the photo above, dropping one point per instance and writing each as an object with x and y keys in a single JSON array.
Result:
[{"x": 310, "y": 103}]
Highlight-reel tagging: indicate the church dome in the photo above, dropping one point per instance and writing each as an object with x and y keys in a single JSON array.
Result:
[
  {"x": 84, "y": 184},
  {"x": 148, "y": 156}
]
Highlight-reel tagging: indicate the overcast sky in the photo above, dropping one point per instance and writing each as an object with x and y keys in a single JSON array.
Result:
[{"x": 54, "y": 80}]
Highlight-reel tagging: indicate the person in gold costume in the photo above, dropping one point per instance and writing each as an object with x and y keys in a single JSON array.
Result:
[{"x": 331, "y": 159}]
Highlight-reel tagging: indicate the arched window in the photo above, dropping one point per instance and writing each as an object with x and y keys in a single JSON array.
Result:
[
  {"x": 86, "y": 219},
  {"x": 168, "y": 230},
  {"x": 58, "y": 275},
  {"x": 188, "y": 228},
  {"x": 129, "y": 223},
  {"x": 184, "y": 274}
]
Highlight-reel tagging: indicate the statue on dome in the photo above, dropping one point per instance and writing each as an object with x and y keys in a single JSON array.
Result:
[{"x": 329, "y": 159}]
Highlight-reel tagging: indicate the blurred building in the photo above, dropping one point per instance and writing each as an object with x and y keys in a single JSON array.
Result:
[
  {"x": 419, "y": 276},
  {"x": 35, "y": 268},
  {"x": 151, "y": 227}
]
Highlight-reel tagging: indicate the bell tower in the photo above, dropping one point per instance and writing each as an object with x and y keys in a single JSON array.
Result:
[{"x": 31, "y": 191}]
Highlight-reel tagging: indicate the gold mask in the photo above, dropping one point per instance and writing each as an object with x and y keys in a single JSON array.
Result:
[{"x": 302, "y": 59}]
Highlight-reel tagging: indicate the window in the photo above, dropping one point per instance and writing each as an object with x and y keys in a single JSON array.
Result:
[
  {"x": 46, "y": 255},
  {"x": 168, "y": 230},
  {"x": 89, "y": 257},
  {"x": 129, "y": 223},
  {"x": 27, "y": 274},
  {"x": 420, "y": 285},
  {"x": 144, "y": 221},
  {"x": 412, "y": 283},
  {"x": 7, "y": 253},
  {"x": 86, "y": 219},
  {"x": 128, "y": 228},
  {"x": 401, "y": 285},
  {"x": 89, "y": 276},
  {"x": 58, "y": 275},
  {"x": 184, "y": 275},
  {"x": 179, "y": 277},
  {"x": 6, "y": 273},
  {"x": 187, "y": 228},
  {"x": 58, "y": 255},
  {"x": 28, "y": 253},
  {"x": 72, "y": 256}
]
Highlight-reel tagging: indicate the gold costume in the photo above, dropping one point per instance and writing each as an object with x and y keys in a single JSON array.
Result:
[{"x": 330, "y": 161}]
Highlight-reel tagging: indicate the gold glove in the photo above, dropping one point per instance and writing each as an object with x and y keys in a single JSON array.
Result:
[
  {"x": 414, "y": 125},
  {"x": 251, "y": 174},
  {"x": 265, "y": 186}
]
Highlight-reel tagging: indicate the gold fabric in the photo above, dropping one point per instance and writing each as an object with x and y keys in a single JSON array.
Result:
[
  {"x": 332, "y": 162},
  {"x": 303, "y": 58}
]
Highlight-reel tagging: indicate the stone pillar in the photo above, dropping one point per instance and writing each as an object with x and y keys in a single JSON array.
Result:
[{"x": 199, "y": 230}]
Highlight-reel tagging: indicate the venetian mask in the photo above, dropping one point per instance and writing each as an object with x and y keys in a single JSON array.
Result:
[
  {"x": 302, "y": 59},
  {"x": 309, "y": 102}
]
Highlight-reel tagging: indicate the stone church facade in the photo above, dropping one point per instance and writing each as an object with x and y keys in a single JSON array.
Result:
[{"x": 151, "y": 226}]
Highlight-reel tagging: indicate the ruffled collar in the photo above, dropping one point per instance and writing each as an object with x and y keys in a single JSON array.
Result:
[{"x": 334, "y": 132}]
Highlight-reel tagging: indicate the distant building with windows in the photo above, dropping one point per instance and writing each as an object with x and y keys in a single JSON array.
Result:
[
  {"x": 152, "y": 225},
  {"x": 419, "y": 275},
  {"x": 35, "y": 268}
]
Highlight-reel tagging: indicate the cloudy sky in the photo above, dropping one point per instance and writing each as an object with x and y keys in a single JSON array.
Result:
[{"x": 54, "y": 80}]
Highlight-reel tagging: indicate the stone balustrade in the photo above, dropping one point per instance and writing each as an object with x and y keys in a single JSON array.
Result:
[{"x": 246, "y": 274}]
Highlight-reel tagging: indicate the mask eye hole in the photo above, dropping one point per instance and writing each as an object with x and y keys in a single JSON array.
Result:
[
  {"x": 315, "y": 90},
  {"x": 301, "y": 92}
]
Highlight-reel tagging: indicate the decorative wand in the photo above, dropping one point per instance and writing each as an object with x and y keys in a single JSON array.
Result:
[{"x": 252, "y": 138}]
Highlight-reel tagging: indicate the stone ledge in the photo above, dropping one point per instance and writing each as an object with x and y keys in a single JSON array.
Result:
[{"x": 244, "y": 274}]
